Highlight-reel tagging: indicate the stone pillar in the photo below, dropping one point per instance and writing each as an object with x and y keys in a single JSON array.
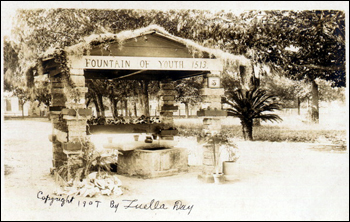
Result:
[
  {"x": 59, "y": 126},
  {"x": 211, "y": 98},
  {"x": 212, "y": 113},
  {"x": 68, "y": 116},
  {"x": 211, "y": 125},
  {"x": 167, "y": 100},
  {"x": 76, "y": 114},
  {"x": 77, "y": 79}
]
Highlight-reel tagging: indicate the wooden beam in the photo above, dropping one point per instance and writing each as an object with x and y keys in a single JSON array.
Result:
[
  {"x": 131, "y": 74},
  {"x": 49, "y": 64},
  {"x": 54, "y": 72},
  {"x": 192, "y": 74}
]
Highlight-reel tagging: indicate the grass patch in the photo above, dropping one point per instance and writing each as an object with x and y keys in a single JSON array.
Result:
[
  {"x": 272, "y": 133},
  {"x": 276, "y": 134},
  {"x": 188, "y": 132}
]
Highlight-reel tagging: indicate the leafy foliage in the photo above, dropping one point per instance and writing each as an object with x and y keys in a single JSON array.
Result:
[
  {"x": 221, "y": 143},
  {"x": 300, "y": 44},
  {"x": 80, "y": 166},
  {"x": 317, "y": 36},
  {"x": 12, "y": 72},
  {"x": 97, "y": 89},
  {"x": 188, "y": 91},
  {"x": 288, "y": 90},
  {"x": 252, "y": 104},
  {"x": 264, "y": 36},
  {"x": 229, "y": 80},
  {"x": 269, "y": 133},
  {"x": 328, "y": 93}
]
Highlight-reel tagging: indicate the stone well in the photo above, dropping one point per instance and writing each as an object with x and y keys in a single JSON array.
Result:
[{"x": 153, "y": 162}]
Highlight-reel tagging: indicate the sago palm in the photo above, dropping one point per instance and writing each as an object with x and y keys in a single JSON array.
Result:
[{"x": 251, "y": 104}]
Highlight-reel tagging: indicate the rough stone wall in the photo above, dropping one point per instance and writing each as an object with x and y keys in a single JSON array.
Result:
[
  {"x": 211, "y": 122},
  {"x": 68, "y": 116},
  {"x": 153, "y": 163},
  {"x": 58, "y": 101},
  {"x": 167, "y": 100}
]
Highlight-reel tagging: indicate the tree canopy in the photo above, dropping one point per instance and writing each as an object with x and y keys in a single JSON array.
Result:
[
  {"x": 299, "y": 44},
  {"x": 305, "y": 44},
  {"x": 188, "y": 91}
]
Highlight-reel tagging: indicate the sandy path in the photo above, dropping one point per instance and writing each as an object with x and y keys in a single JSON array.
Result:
[{"x": 275, "y": 181}]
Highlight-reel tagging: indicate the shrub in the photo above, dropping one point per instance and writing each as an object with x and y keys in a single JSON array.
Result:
[
  {"x": 271, "y": 133},
  {"x": 88, "y": 173},
  {"x": 277, "y": 134}
]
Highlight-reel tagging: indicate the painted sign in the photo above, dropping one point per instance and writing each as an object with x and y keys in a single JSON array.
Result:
[
  {"x": 214, "y": 82},
  {"x": 146, "y": 63}
]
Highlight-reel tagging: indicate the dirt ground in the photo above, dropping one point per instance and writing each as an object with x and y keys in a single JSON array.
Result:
[{"x": 275, "y": 181}]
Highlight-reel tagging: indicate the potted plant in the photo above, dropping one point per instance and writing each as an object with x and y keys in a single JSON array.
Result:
[
  {"x": 232, "y": 155},
  {"x": 221, "y": 145}
]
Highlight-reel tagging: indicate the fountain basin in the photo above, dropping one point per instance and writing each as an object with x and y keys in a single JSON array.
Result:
[{"x": 153, "y": 162}]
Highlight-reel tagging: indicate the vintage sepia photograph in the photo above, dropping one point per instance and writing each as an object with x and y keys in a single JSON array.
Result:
[{"x": 174, "y": 110}]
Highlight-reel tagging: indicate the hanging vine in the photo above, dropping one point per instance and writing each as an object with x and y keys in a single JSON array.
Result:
[{"x": 72, "y": 93}]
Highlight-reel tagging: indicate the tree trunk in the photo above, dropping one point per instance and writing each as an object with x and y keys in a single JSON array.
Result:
[
  {"x": 247, "y": 129},
  {"x": 187, "y": 110},
  {"x": 114, "y": 107},
  {"x": 135, "y": 109},
  {"x": 88, "y": 102},
  {"x": 244, "y": 79},
  {"x": 126, "y": 107},
  {"x": 246, "y": 72},
  {"x": 158, "y": 106},
  {"x": 144, "y": 98},
  {"x": 100, "y": 104},
  {"x": 314, "y": 104},
  {"x": 298, "y": 106},
  {"x": 22, "y": 105},
  {"x": 98, "y": 111}
]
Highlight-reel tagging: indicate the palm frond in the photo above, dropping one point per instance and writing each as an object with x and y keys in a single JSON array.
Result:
[
  {"x": 235, "y": 113},
  {"x": 270, "y": 117},
  {"x": 250, "y": 104}
]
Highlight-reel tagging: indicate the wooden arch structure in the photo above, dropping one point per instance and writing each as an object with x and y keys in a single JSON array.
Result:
[{"x": 146, "y": 54}]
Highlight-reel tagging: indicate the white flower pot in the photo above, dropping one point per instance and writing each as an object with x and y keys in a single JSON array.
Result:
[
  {"x": 230, "y": 170},
  {"x": 136, "y": 137},
  {"x": 218, "y": 178}
]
